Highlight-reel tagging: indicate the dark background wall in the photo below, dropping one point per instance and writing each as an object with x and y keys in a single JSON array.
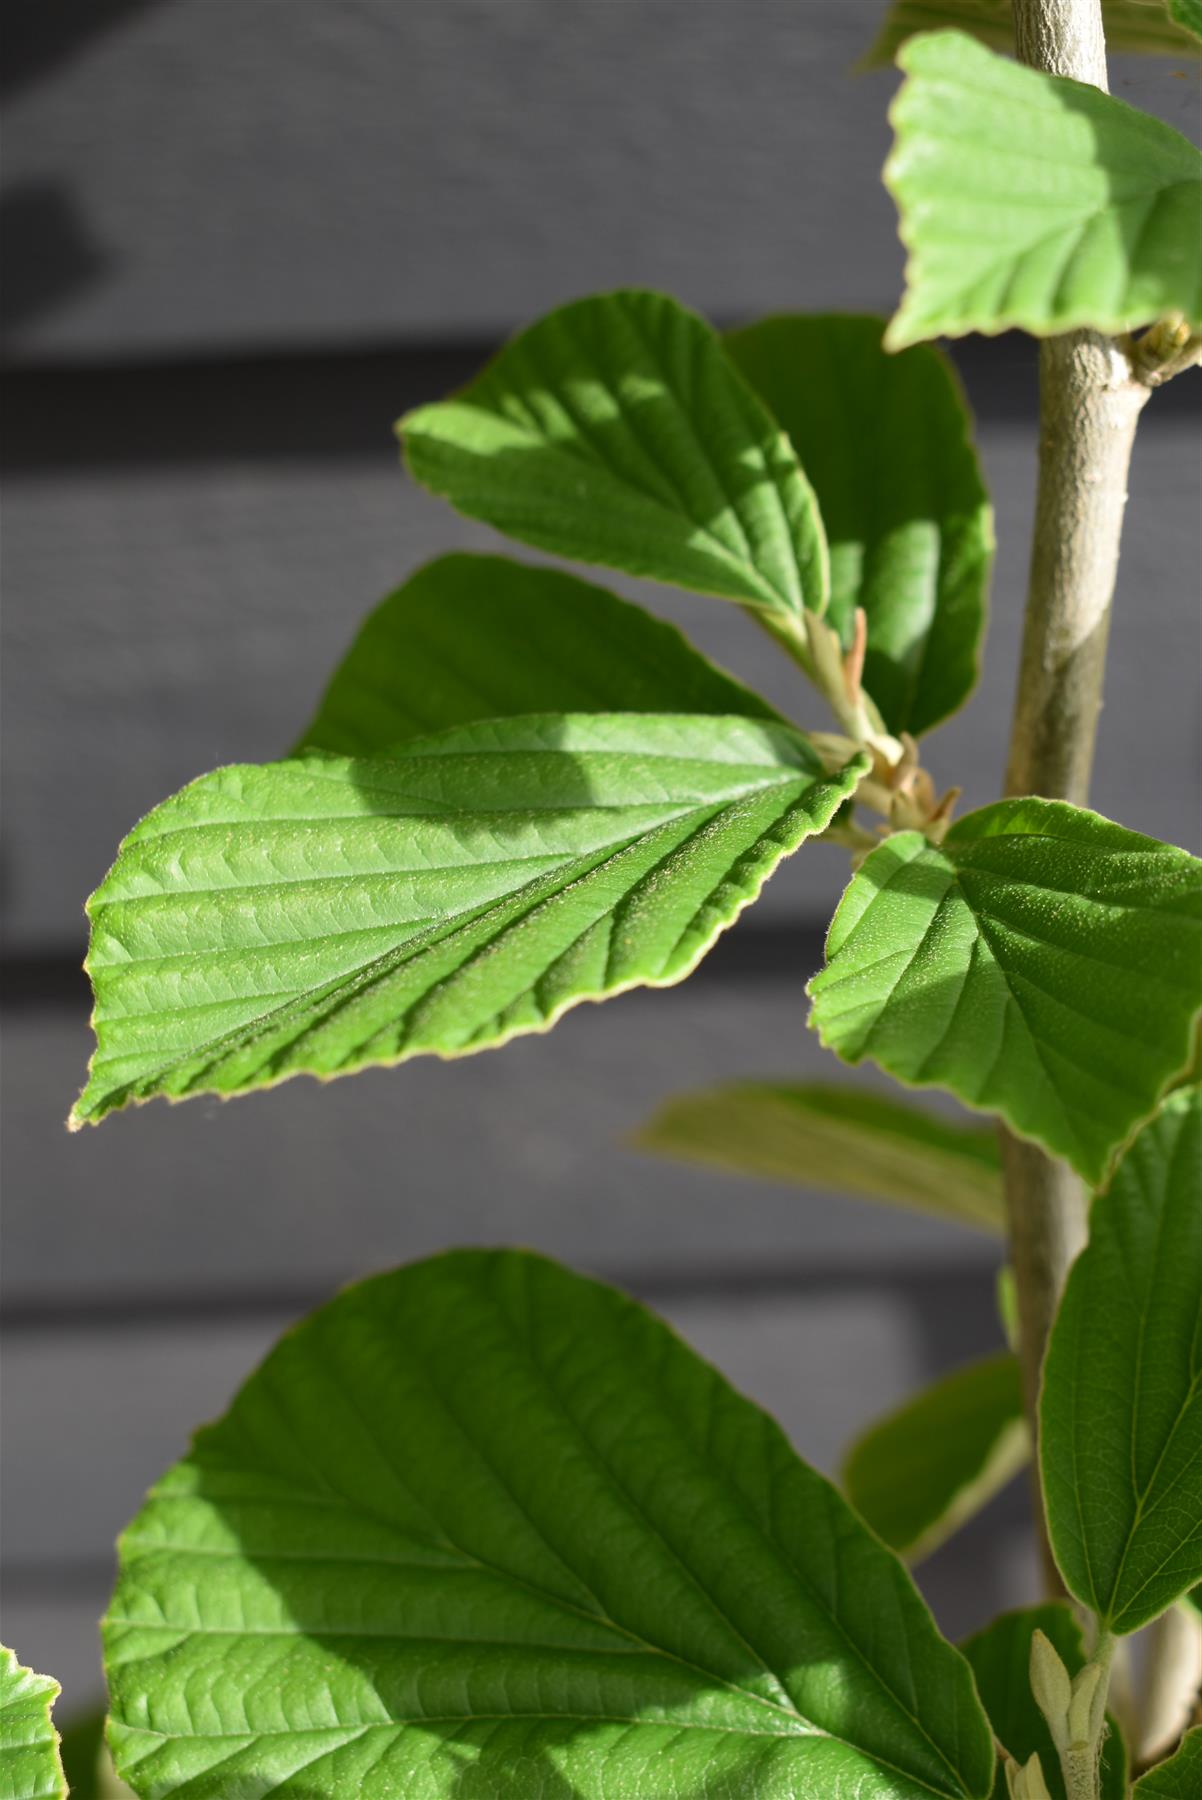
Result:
[{"x": 239, "y": 241}]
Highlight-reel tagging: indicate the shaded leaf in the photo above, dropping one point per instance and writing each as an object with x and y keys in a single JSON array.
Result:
[
  {"x": 616, "y": 431},
  {"x": 30, "y": 1768},
  {"x": 1132, "y": 26},
  {"x": 87, "y": 1763},
  {"x": 1179, "y": 1778},
  {"x": 885, "y": 441},
  {"x": 1043, "y": 964},
  {"x": 835, "y": 1137},
  {"x": 1028, "y": 200},
  {"x": 1121, "y": 1406},
  {"x": 483, "y": 1527},
  {"x": 922, "y": 1472},
  {"x": 1000, "y": 1657},
  {"x": 480, "y": 637},
  {"x": 321, "y": 914}
]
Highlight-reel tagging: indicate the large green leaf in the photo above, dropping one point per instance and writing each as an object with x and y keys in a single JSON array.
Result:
[
  {"x": 320, "y": 914},
  {"x": 1121, "y": 1406},
  {"x": 1132, "y": 26},
  {"x": 30, "y": 1768},
  {"x": 616, "y": 431},
  {"x": 885, "y": 440},
  {"x": 836, "y": 1137},
  {"x": 483, "y": 1527},
  {"x": 480, "y": 637},
  {"x": 1180, "y": 1778},
  {"x": 1033, "y": 201},
  {"x": 1001, "y": 1658},
  {"x": 921, "y": 1473},
  {"x": 1043, "y": 964}
]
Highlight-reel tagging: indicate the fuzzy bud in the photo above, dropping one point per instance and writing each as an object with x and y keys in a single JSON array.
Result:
[{"x": 1052, "y": 1688}]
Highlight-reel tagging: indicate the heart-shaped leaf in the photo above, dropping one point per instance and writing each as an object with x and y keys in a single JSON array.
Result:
[
  {"x": 1121, "y": 1406},
  {"x": 30, "y": 1766},
  {"x": 1030, "y": 200},
  {"x": 921, "y": 1473},
  {"x": 321, "y": 914},
  {"x": 616, "y": 431},
  {"x": 481, "y": 637},
  {"x": 1042, "y": 963},
  {"x": 885, "y": 441},
  {"x": 1001, "y": 1661},
  {"x": 483, "y": 1527},
  {"x": 836, "y": 1137}
]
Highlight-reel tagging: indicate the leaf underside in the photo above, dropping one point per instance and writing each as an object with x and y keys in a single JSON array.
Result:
[
  {"x": 836, "y": 1137},
  {"x": 1121, "y": 1410},
  {"x": 1043, "y": 964},
  {"x": 885, "y": 441},
  {"x": 1133, "y": 27},
  {"x": 921, "y": 1473},
  {"x": 1001, "y": 1658},
  {"x": 1032, "y": 201},
  {"x": 325, "y": 913},
  {"x": 468, "y": 638},
  {"x": 483, "y": 1527},
  {"x": 616, "y": 431},
  {"x": 30, "y": 1767}
]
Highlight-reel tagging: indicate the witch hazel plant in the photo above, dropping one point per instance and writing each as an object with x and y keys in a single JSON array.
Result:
[{"x": 482, "y": 1526}]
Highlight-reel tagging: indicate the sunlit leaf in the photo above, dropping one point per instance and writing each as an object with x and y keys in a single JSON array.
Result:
[
  {"x": 1027, "y": 200},
  {"x": 30, "y": 1768},
  {"x": 482, "y": 1527},
  {"x": 1042, "y": 963}
]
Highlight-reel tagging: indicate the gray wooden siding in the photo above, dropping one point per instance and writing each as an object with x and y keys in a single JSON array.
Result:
[{"x": 239, "y": 240}]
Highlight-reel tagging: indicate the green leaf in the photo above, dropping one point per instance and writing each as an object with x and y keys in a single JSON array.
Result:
[
  {"x": 616, "y": 431},
  {"x": 1121, "y": 1407},
  {"x": 321, "y": 914},
  {"x": 885, "y": 441},
  {"x": 1188, "y": 14},
  {"x": 1043, "y": 964},
  {"x": 481, "y": 1527},
  {"x": 480, "y": 637},
  {"x": 1132, "y": 26},
  {"x": 1000, "y": 1657},
  {"x": 1033, "y": 201},
  {"x": 1180, "y": 1778},
  {"x": 30, "y": 1768},
  {"x": 922, "y": 1472},
  {"x": 833, "y": 1137}
]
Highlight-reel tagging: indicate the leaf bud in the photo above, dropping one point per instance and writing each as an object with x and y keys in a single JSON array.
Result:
[{"x": 1052, "y": 1688}]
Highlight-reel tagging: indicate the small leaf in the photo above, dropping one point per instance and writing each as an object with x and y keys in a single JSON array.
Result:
[
  {"x": 482, "y": 1526},
  {"x": 1000, "y": 1657},
  {"x": 322, "y": 914},
  {"x": 922, "y": 1472},
  {"x": 1180, "y": 1778},
  {"x": 1187, "y": 14},
  {"x": 832, "y": 1137},
  {"x": 1043, "y": 964},
  {"x": 30, "y": 1767},
  {"x": 1132, "y": 26},
  {"x": 616, "y": 431},
  {"x": 479, "y": 637},
  {"x": 1028, "y": 200},
  {"x": 1121, "y": 1408},
  {"x": 885, "y": 441}
]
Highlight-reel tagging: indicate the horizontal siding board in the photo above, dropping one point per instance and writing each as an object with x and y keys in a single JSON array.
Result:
[
  {"x": 527, "y": 1145},
  {"x": 203, "y": 173}
]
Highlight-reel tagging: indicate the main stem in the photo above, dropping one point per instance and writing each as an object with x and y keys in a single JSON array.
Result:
[{"x": 1089, "y": 403}]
